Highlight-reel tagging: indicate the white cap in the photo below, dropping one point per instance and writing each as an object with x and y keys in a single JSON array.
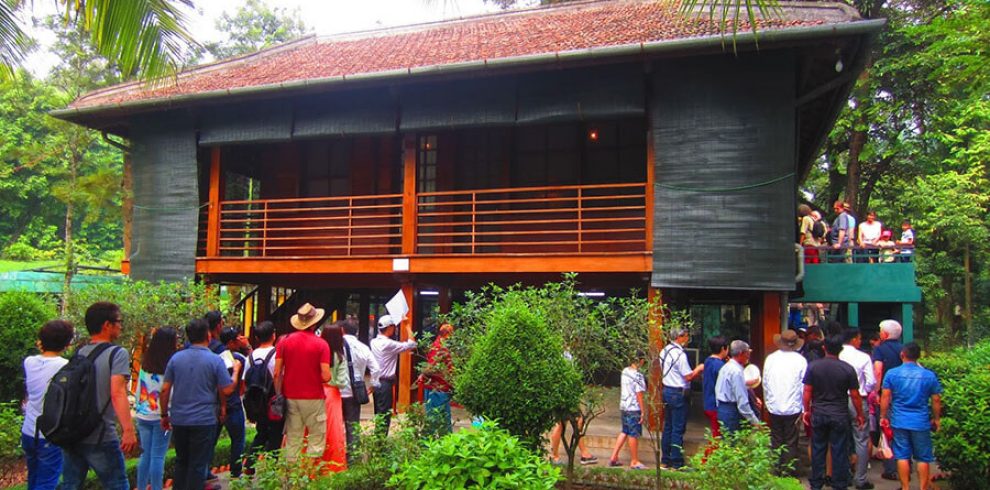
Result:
[{"x": 384, "y": 322}]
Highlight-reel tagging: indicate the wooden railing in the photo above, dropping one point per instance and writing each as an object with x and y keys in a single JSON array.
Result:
[
  {"x": 560, "y": 219},
  {"x": 325, "y": 226}
]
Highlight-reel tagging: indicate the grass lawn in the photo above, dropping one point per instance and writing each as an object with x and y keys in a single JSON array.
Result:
[{"x": 13, "y": 265}]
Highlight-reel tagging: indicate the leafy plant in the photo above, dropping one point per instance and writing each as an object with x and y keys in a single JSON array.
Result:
[
  {"x": 741, "y": 460},
  {"x": 517, "y": 374},
  {"x": 21, "y": 315},
  {"x": 482, "y": 457}
]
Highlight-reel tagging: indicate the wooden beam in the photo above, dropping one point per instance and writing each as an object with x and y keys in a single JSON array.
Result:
[
  {"x": 213, "y": 218},
  {"x": 409, "y": 204},
  {"x": 762, "y": 339},
  {"x": 405, "y": 359},
  {"x": 650, "y": 181}
]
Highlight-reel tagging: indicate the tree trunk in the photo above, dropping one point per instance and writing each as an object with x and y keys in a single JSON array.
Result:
[
  {"x": 856, "y": 142},
  {"x": 70, "y": 258}
]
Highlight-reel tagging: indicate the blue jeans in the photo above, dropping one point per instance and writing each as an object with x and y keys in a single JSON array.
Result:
[
  {"x": 44, "y": 462},
  {"x": 154, "y": 444},
  {"x": 193, "y": 449},
  {"x": 105, "y": 458},
  {"x": 830, "y": 433},
  {"x": 674, "y": 424},
  {"x": 729, "y": 417},
  {"x": 438, "y": 410}
]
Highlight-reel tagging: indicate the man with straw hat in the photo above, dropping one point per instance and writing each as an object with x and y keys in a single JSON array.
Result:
[
  {"x": 783, "y": 375},
  {"x": 302, "y": 366}
]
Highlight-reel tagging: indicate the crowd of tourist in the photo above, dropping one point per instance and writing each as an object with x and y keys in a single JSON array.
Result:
[
  {"x": 847, "y": 240},
  {"x": 303, "y": 391}
]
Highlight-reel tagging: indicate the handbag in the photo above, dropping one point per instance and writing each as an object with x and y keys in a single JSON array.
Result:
[
  {"x": 358, "y": 389},
  {"x": 276, "y": 408}
]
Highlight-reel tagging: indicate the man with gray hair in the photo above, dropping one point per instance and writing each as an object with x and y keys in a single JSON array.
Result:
[
  {"x": 676, "y": 378},
  {"x": 887, "y": 356},
  {"x": 731, "y": 391}
]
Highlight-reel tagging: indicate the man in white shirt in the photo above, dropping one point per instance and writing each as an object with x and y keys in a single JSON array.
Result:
[
  {"x": 361, "y": 360},
  {"x": 677, "y": 376},
  {"x": 783, "y": 386},
  {"x": 386, "y": 352},
  {"x": 863, "y": 365},
  {"x": 269, "y": 433}
]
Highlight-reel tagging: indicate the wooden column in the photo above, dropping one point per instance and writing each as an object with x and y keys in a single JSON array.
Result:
[
  {"x": 213, "y": 218},
  {"x": 405, "y": 359},
  {"x": 444, "y": 302},
  {"x": 762, "y": 339},
  {"x": 650, "y": 181},
  {"x": 364, "y": 313},
  {"x": 655, "y": 399},
  {"x": 264, "y": 306},
  {"x": 409, "y": 195}
]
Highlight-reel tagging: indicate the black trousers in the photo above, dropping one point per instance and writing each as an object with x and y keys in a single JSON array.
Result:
[
  {"x": 383, "y": 404},
  {"x": 784, "y": 433},
  {"x": 267, "y": 438},
  {"x": 192, "y": 455},
  {"x": 352, "y": 420}
]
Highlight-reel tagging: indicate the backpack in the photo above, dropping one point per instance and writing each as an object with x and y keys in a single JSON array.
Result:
[
  {"x": 70, "y": 411},
  {"x": 818, "y": 230},
  {"x": 259, "y": 388}
]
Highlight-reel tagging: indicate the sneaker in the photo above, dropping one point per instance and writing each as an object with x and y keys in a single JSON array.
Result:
[
  {"x": 589, "y": 460},
  {"x": 890, "y": 476},
  {"x": 828, "y": 481},
  {"x": 212, "y": 477},
  {"x": 865, "y": 486},
  {"x": 614, "y": 464},
  {"x": 556, "y": 462}
]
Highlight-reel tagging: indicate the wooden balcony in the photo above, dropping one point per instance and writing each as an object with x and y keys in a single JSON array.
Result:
[{"x": 531, "y": 228}]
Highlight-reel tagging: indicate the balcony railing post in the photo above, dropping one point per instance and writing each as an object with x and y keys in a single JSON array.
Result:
[
  {"x": 264, "y": 230},
  {"x": 350, "y": 224},
  {"x": 474, "y": 220},
  {"x": 580, "y": 223}
]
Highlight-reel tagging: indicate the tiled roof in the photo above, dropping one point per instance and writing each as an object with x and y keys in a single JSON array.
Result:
[{"x": 545, "y": 30}]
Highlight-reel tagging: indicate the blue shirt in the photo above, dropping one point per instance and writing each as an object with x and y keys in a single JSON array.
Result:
[
  {"x": 911, "y": 386},
  {"x": 712, "y": 366},
  {"x": 889, "y": 353},
  {"x": 196, "y": 374},
  {"x": 730, "y": 387}
]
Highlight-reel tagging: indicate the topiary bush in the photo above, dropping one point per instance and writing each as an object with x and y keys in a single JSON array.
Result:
[
  {"x": 483, "y": 457},
  {"x": 963, "y": 443},
  {"x": 21, "y": 316},
  {"x": 517, "y": 374}
]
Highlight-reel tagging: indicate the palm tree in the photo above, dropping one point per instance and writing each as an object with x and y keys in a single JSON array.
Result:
[{"x": 144, "y": 38}]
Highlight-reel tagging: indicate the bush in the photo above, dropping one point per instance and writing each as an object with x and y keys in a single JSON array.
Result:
[
  {"x": 486, "y": 457},
  {"x": 962, "y": 445},
  {"x": 24, "y": 252},
  {"x": 10, "y": 440},
  {"x": 517, "y": 374},
  {"x": 21, "y": 315},
  {"x": 742, "y": 460}
]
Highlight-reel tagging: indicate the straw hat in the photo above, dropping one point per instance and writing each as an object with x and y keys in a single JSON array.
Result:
[
  {"x": 788, "y": 340},
  {"x": 306, "y": 316}
]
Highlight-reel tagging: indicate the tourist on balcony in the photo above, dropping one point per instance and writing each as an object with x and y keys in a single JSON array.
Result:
[
  {"x": 302, "y": 366},
  {"x": 154, "y": 440},
  {"x": 863, "y": 365},
  {"x": 887, "y": 247},
  {"x": 905, "y": 246},
  {"x": 843, "y": 234},
  {"x": 829, "y": 384},
  {"x": 731, "y": 391},
  {"x": 783, "y": 372},
  {"x": 361, "y": 361},
  {"x": 335, "y": 453},
  {"x": 386, "y": 352},
  {"x": 676, "y": 376},
  {"x": 887, "y": 356},
  {"x": 868, "y": 236},
  {"x": 904, "y": 408},
  {"x": 807, "y": 235}
]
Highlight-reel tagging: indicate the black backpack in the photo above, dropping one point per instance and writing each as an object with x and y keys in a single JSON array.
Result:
[
  {"x": 818, "y": 230},
  {"x": 259, "y": 388},
  {"x": 70, "y": 411}
]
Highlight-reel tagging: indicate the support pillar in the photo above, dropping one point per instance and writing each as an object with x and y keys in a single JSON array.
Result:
[
  {"x": 364, "y": 317},
  {"x": 409, "y": 195},
  {"x": 444, "y": 302},
  {"x": 213, "y": 216},
  {"x": 405, "y": 359},
  {"x": 264, "y": 307},
  {"x": 907, "y": 322},
  {"x": 761, "y": 339},
  {"x": 852, "y": 315}
]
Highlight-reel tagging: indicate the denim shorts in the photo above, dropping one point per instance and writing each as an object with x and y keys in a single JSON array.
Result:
[
  {"x": 916, "y": 443},
  {"x": 630, "y": 423}
]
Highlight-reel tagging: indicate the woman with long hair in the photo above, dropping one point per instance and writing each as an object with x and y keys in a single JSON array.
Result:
[
  {"x": 335, "y": 454},
  {"x": 154, "y": 440}
]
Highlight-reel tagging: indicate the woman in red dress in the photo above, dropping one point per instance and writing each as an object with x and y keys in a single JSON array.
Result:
[{"x": 335, "y": 454}]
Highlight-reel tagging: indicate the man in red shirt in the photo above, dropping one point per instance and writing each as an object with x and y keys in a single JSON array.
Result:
[{"x": 302, "y": 366}]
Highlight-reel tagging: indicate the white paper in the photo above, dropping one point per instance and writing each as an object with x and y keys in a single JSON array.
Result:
[
  {"x": 400, "y": 265},
  {"x": 397, "y": 307}
]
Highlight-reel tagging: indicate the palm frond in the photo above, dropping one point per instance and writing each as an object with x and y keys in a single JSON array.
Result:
[
  {"x": 13, "y": 41},
  {"x": 144, "y": 37},
  {"x": 727, "y": 14}
]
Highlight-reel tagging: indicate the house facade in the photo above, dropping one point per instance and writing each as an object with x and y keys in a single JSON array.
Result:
[{"x": 621, "y": 140}]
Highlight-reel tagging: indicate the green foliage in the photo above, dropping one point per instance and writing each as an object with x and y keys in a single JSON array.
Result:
[
  {"x": 742, "y": 460},
  {"x": 256, "y": 26},
  {"x": 10, "y": 438},
  {"x": 22, "y": 315},
  {"x": 144, "y": 305},
  {"x": 517, "y": 374},
  {"x": 483, "y": 457},
  {"x": 963, "y": 442}
]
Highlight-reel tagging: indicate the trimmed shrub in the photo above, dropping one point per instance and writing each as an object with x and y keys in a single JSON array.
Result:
[
  {"x": 484, "y": 457},
  {"x": 742, "y": 460},
  {"x": 517, "y": 374},
  {"x": 21, "y": 316}
]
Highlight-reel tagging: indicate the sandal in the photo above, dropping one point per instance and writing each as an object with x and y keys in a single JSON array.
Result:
[{"x": 638, "y": 466}]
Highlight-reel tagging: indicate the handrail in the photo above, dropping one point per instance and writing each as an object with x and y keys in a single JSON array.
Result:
[{"x": 531, "y": 189}]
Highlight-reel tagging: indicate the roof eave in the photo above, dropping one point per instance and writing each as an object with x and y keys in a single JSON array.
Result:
[{"x": 768, "y": 37}]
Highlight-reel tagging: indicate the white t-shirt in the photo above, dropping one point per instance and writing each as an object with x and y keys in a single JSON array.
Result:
[
  {"x": 259, "y": 354},
  {"x": 38, "y": 372},
  {"x": 633, "y": 382},
  {"x": 675, "y": 366},
  {"x": 870, "y": 232}
]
